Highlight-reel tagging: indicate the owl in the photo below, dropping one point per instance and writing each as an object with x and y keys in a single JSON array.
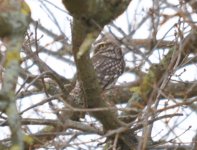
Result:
[{"x": 108, "y": 62}]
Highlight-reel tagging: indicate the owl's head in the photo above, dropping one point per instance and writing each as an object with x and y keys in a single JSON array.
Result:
[
  {"x": 107, "y": 43},
  {"x": 108, "y": 48}
]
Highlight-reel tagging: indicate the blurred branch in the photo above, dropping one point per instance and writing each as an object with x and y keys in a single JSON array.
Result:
[
  {"x": 66, "y": 47},
  {"x": 145, "y": 43},
  {"x": 15, "y": 19},
  {"x": 193, "y": 4},
  {"x": 45, "y": 68},
  {"x": 58, "y": 124}
]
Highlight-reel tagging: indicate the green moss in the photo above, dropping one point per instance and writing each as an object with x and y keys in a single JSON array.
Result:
[
  {"x": 48, "y": 129},
  {"x": 28, "y": 139},
  {"x": 15, "y": 147},
  {"x": 135, "y": 90},
  {"x": 85, "y": 46},
  {"x": 25, "y": 8},
  {"x": 12, "y": 55}
]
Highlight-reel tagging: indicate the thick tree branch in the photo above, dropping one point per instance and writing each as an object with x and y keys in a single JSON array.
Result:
[
  {"x": 182, "y": 90},
  {"x": 81, "y": 33}
]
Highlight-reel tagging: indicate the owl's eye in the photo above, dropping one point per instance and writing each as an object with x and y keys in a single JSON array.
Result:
[{"x": 101, "y": 45}]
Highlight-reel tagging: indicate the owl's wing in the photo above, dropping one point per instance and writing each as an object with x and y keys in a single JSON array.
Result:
[{"x": 107, "y": 69}]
